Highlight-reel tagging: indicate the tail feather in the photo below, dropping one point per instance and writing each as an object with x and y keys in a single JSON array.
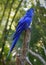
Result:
[
  {"x": 14, "y": 42},
  {"x": 12, "y": 46},
  {"x": 16, "y": 37}
]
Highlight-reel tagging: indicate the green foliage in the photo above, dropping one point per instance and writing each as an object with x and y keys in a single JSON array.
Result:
[{"x": 8, "y": 23}]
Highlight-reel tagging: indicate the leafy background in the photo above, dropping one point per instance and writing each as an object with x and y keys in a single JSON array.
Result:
[{"x": 10, "y": 13}]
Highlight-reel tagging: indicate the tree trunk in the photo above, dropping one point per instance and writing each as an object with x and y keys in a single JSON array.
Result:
[{"x": 25, "y": 48}]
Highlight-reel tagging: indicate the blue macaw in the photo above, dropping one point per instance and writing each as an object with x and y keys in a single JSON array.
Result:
[{"x": 23, "y": 24}]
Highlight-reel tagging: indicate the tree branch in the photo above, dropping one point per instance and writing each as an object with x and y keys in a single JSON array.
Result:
[
  {"x": 38, "y": 56},
  {"x": 28, "y": 61},
  {"x": 25, "y": 48}
]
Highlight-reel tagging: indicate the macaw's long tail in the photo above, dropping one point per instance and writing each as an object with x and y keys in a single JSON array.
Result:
[{"x": 15, "y": 39}]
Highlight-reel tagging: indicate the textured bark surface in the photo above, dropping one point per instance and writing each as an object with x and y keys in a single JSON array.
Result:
[
  {"x": 26, "y": 40},
  {"x": 18, "y": 62},
  {"x": 21, "y": 60}
]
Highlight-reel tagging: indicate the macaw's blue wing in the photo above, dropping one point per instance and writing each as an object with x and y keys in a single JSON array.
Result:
[
  {"x": 17, "y": 35},
  {"x": 22, "y": 25},
  {"x": 19, "y": 29}
]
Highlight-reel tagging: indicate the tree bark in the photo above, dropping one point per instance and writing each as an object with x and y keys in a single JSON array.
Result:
[{"x": 25, "y": 47}]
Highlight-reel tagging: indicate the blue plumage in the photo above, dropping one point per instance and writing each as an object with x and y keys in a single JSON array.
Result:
[{"x": 23, "y": 24}]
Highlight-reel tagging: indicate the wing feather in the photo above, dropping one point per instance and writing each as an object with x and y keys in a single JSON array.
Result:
[{"x": 21, "y": 26}]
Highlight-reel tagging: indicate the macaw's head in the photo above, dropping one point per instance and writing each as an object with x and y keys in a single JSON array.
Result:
[{"x": 30, "y": 12}]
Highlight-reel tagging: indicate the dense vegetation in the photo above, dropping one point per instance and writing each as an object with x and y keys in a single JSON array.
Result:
[{"x": 10, "y": 13}]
